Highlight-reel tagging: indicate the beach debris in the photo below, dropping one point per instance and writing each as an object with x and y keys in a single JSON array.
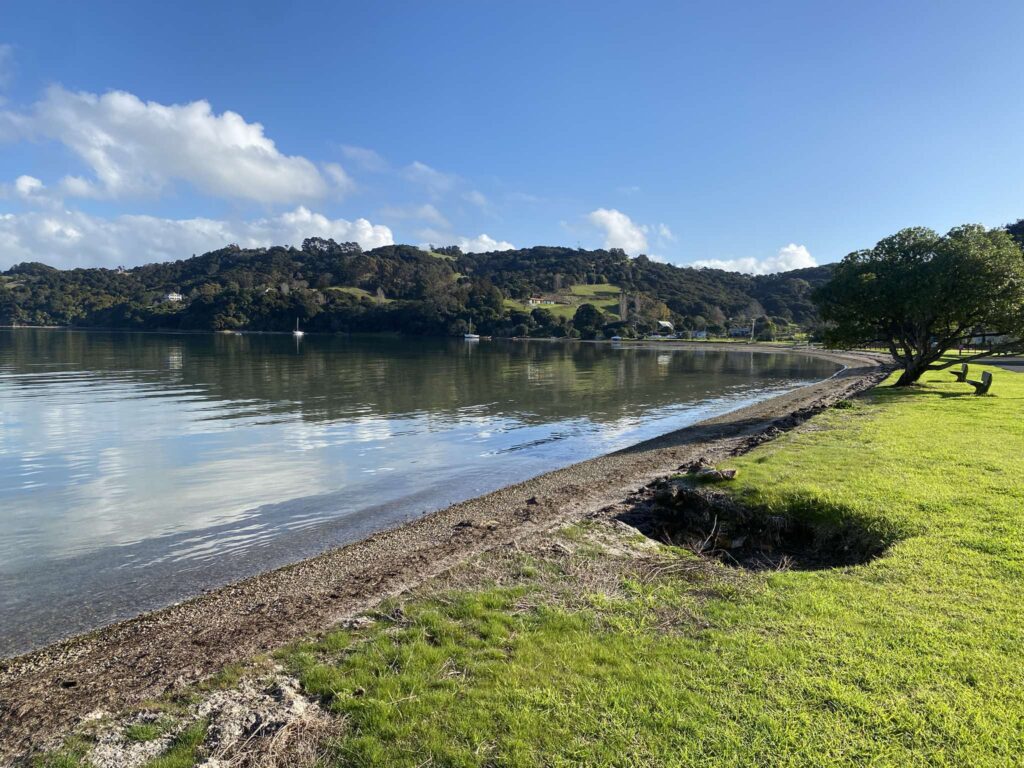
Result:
[
  {"x": 357, "y": 622},
  {"x": 703, "y": 469},
  {"x": 265, "y": 722},
  {"x": 710, "y": 473},
  {"x": 248, "y": 719},
  {"x": 702, "y": 462},
  {"x": 114, "y": 749},
  {"x": 557, "y": 546}
]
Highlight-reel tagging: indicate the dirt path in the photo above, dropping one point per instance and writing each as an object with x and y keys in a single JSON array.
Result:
[{"x": 45, "y": 692}]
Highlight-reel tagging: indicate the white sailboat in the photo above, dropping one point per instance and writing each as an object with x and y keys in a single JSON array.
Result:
[
  {"x": 471, "y": 336},
  {"x": 297, "y": 333}
]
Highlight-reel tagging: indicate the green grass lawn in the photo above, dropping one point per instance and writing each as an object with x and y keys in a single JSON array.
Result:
[
  {"x": 605, "y": 291},
  {"x": 605, "y": 297},
  {"x": 357, "y": 292},
  {"x": 916, "y": 658}
]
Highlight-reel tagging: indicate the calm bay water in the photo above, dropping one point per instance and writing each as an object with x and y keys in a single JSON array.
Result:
[{"x": 136, "y": 470}]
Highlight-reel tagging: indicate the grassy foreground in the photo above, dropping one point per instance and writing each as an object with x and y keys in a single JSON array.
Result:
[
  {"x": 602, "y": 648},
  {"x": 912, "y": 659}
]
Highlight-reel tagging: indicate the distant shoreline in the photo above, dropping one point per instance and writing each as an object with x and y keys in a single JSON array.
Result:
[
  {"x": 782, "y": 345},
  {"x": 717, "y": 345}
]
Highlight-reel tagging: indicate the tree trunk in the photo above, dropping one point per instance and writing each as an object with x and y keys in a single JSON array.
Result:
[
  {"x": 909, "y": 376},
  {"x": 914, "y": 368}
]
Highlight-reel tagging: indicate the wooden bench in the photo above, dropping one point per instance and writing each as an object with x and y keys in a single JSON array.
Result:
[
  {"x": 961, "y": 375},
  {"x": 982, "y": 387}
]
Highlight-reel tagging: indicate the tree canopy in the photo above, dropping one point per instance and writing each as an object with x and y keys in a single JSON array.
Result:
[
  {"x": 339, "y": 287},
  {"x": 920, "y": 294},
  {"x": 1016, "y": 231},
  {"x": 587, "y": 320}
]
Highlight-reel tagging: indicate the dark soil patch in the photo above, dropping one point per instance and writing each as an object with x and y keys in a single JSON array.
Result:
[{"x": 715, "y": 525}]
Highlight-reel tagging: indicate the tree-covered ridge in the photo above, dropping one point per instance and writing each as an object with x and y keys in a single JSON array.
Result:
[
  {"x": 339, "y": 287},
  {"x": 687, "y": 291}
]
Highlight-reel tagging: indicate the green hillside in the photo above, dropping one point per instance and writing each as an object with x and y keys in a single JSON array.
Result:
[{"x": 337, "y": 287}]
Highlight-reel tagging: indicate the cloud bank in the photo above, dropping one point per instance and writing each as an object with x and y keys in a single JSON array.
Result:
[
  {"x": 137, "y": 149},
  {"x": 74, "y": 239},
  {"x": 789, "y": 257},
  {"x": 482, "y": 243}
]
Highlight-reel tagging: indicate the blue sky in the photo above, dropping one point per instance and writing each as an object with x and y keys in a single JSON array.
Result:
[{"x": 754, "y": 135}]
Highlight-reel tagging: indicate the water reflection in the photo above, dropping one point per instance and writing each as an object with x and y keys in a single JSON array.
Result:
[{"x": 138, "y": 469}]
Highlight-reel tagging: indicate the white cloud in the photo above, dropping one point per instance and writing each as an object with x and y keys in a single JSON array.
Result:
[
  {"x": 367, "y": 159},
  {"x": 27, "y": 186},
  {"x": 619, "y": 230},
  {"x": 30, "y": 190},
  {"x": 483, "y": 243},
  {"x": 789, "y": 257},
  {"x": 477, "y": 198},
  {"x": 76, "y": 186},
  {"x": 12, "y": 125},
  {"x": 295, "y": 226},
  {"x": 73, "y": 238},
  {"x": 665, "y": 233},
  {"x": 343, "y": 183},
  {"x": 435, "y": 181},
  {"x": 139, "y": 148},
  {"x": 426, "y": 212}
]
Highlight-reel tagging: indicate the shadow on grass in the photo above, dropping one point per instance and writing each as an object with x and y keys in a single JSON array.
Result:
[
  {"x": 806, "y": 534},
  {"x": 922, "y": 390}
]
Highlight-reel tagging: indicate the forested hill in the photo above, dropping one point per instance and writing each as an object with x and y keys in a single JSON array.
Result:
[{"x": 339, "y": 287}]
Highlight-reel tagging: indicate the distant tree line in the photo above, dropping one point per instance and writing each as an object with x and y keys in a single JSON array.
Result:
[{"x": 338, "y": 287}]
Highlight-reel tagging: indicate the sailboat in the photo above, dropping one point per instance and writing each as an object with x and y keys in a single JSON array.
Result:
[
  {"x": 471, "y": 336},
  {"x": 297, "y": 333}
]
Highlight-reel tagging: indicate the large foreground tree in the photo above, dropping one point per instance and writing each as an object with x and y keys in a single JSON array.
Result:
[
  {"x": 920, "y": 294},
  {"x": 1016, "y": 231}
]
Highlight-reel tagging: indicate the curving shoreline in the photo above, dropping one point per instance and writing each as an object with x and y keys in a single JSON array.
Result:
[{"x": 125, "y": 663}]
